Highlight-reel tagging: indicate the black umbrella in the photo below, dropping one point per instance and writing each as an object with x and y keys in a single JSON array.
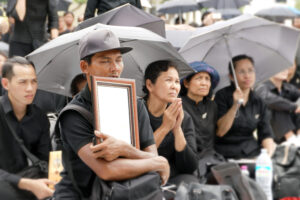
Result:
[{"x": 127, "y": 15}]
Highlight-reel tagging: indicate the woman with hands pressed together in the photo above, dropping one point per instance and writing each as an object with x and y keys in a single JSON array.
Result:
[{"x": 173, "y": 128}]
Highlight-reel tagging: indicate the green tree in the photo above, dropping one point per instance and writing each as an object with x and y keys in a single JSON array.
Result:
[
  {"x": 297, "y": 5},
  {"x": 80, "y": 1}
]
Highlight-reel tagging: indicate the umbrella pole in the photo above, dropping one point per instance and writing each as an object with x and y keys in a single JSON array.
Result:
[{"x": 240, "y": 101}]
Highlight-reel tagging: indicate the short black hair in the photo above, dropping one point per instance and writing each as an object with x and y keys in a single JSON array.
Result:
[
  {"x": 69, "y": 12},
  {"x": 8, "y": 66},
  {"x": 237, "y": 58},
  {"x": 75, "y": 81},
  {"x": 204, "y": 15},
  {"x": 88, "y": 59},
  {"x": 153, "y": 71}
]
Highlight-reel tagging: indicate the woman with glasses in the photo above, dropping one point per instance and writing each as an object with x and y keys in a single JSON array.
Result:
[{"x": 241, "y": 113}]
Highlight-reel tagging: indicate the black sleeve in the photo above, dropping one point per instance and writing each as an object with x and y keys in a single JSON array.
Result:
[
  {"x": 8, "y": 177},
  {"x": 76, "y": 131},
  {"x": 222, "y": 102},
  {"x": 138, "y": 4},
  {"x": 91, "y": 6},
  {"x": 52, "y": 15},
  {"x": 186, "y": 160},
  {"x": 145, "y": 129},
  {"x": 274, "y": 101},
  {"x": 264, "y": 129},
  {"x": 44, "y": 144}
]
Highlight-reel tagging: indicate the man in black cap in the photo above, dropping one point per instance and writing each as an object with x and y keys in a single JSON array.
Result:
[{"x": 101, "y": 55}]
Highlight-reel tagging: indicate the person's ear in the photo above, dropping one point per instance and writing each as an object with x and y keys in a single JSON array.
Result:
[
  {"x": 84, "y": 66},
  {"x": 5, "y": 83},
  {"x": 231, "y": 77},
  {"x": 186, "y": 84},
  {"x": 149, "y": 85}
]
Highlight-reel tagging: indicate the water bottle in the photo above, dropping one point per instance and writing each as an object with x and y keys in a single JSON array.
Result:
[
  {"x": 264, "y": 173},
  {"x": 244, "y": 170}
]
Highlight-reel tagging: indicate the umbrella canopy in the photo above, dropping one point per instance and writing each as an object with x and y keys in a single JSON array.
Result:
[
  {"x": 178, "y": 6},
  {"x": 272, "y": 46},
  {"x": 223, "y": 4},
  {"x": 127, "y": 15},
  {"x": 229, "y": 13},
  {"x": 278, "y": 13},
  {"x": 57, "y": 62}
]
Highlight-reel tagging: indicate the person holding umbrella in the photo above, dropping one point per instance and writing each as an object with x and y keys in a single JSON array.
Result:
[
  {"x": 237, "y": 120},
  {"x": 173, "y": 127}
]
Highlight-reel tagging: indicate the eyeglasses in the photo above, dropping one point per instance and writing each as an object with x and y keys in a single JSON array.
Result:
[{"x": 244, "y": 72}]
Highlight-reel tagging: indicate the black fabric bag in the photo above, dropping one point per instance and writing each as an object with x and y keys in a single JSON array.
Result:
[
  {"x": 144, "y": 187},
  {"x": 286, "y": 169},
  {"x": 197, "y": 191}
]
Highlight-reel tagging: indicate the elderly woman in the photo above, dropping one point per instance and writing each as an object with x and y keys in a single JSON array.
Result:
[
  {"x": 173, "y": 128},
  {"x": 196, "y": 93},
  {"x": 238, "y": 120}
]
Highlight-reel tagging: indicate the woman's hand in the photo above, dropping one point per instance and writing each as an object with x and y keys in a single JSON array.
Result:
[
  {"x": 171, "y": 114},
  {"x": 238, "y": 95},
  {"x": 179, "y": 115}
]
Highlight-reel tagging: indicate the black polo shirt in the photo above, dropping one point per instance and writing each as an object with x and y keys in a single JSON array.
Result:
[
  {"x": 204, "y": 115},
  {"x": 239, "y": 141},
  {"x": 33, "y": 129},
  {"x": 184, "y": 162},
  {"x": 77, "y": 131}
]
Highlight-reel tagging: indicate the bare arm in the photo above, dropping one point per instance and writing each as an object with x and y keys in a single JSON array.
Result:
[
  {"x": 39, "y": 187},
  {"x": 123, "y": 168},
  {"x": 269, "y": 144}
]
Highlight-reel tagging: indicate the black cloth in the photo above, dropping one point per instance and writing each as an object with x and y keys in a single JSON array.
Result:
[
  {"x": 33, "y": 129},
  {"x": 76, "y": 132},
  {"x": 105, "y": 5},
  {"x": 282, "y": 105},
  {"x": 296, "y": 79},
  {"x": 184, "y": 162},
  {"x": 32, "y": 30},
  {"x": 204, "y": 115},
  {"x": 239, "y": 141},
  {"x": 19, "y": 48}
]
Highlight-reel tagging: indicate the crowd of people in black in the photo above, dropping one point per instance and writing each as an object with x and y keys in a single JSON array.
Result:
[{"x": 181, "y": 122}]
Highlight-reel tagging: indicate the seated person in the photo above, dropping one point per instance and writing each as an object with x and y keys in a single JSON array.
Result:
[
  {"x": 112, "y": 160},
  {"x": 173, "y": 128},
  {"x": 238, "y": 120},
  {"x": 196, "y": 93},
  {"x": 30, "y": 124},
  {"x": 281, "y": 98}
]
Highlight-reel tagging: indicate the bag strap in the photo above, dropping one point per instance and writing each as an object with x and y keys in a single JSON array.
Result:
[
  {"x": 30, "y": 156},
  {"x": 88, "y": 116}
]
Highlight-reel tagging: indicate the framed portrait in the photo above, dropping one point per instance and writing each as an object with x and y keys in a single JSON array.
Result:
[{"x": 115, "y": 109}]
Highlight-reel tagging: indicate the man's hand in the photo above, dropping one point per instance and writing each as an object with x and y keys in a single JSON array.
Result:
[
  {"x": 39, "y": 187},
  {"x": 110, "y": 148},
  {"x": 164, "y": 170}
]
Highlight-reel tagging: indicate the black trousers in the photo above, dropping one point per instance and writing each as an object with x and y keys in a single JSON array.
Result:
[{"x": 10, "y": 192}]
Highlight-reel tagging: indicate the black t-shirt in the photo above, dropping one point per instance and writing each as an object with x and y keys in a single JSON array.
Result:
[
  {"x": 204, "y": 115},
  {"x": 77, "y": 131},
  {"x": 184, "y": 162},
  {"x": 239, "y": 141}
]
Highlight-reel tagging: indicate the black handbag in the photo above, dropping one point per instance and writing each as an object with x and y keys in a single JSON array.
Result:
[
  {"x": 144, "y": 187},
  {"x": 39, "y": 168}
]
